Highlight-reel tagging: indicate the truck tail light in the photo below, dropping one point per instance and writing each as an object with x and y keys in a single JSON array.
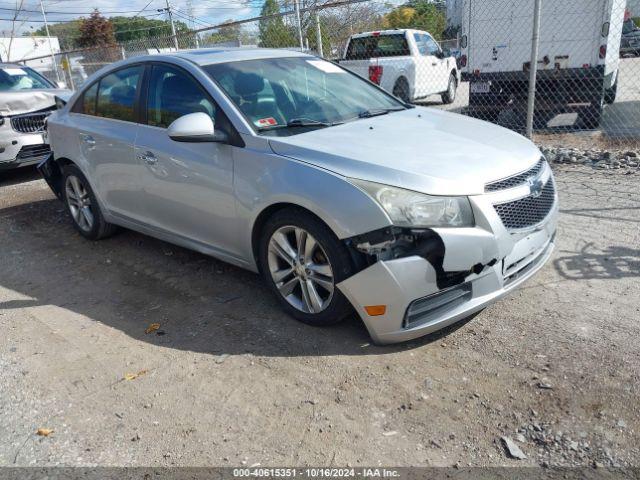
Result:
[
  {"x": 375, "y": 73},
  {"x": 603, "y": 52},
  {"x": 463, "y": 61}
]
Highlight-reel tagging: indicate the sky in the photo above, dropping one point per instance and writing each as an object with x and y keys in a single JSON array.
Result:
[{"x": 206, "y": 12}]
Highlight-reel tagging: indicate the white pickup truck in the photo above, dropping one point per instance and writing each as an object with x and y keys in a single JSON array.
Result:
[{"x": 408, "y": 63}]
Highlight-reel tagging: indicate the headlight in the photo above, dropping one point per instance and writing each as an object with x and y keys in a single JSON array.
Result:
[{"x": 417, "y": 210}]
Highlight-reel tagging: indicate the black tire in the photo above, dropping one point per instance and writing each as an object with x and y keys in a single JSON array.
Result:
[
  {"x": 591, "y": 116},
  {"x": 338, "y": 307},
  {"x": 99, "y": 228},
  {"x": 401, "y": 90},
  {"x": 449, "y": 96},
  {"x": 611, "y": 94}
]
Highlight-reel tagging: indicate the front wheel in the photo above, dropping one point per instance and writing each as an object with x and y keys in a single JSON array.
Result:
[
  {"x": 449, "y": 96},
  {"x": 303, "y": 261}
]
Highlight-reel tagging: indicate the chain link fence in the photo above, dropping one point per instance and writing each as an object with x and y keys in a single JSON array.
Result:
[{"x": 555, "y": 67}]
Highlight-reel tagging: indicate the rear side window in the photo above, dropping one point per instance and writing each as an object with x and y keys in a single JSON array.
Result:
[
  {"x": 378, "y": 46},
  {"x": 117, "y": 94}
]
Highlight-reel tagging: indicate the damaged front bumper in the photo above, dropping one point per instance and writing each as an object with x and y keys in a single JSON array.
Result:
[{"x": 422, "y": 294}]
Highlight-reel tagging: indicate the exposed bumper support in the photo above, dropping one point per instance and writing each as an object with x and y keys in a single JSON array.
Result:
[{"x": 400, "y": 283}]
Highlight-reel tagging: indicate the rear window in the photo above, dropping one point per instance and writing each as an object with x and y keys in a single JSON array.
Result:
[{"x": 378, "y": 46}]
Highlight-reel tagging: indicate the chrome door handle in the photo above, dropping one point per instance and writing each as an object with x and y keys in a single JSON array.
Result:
[
  {"x": 88, "y": 139},
  {"x": 148, "y": 158}
]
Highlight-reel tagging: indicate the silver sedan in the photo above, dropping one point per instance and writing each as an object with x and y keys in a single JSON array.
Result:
[{"x": 343, "y": 197}]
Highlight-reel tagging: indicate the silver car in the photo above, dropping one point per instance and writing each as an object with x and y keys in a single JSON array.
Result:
[{"x": 340, "y": 195}]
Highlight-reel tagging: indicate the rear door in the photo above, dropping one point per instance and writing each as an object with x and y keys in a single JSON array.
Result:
[
  {"x": 106, "y": 127},
  {"x": 188, "y": 186}
]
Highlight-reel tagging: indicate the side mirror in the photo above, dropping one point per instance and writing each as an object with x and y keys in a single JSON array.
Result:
[
  {"x": 61, "y": 85},
  {"x": 440, "y": 54},
  {"x": 194, "y": 127}
]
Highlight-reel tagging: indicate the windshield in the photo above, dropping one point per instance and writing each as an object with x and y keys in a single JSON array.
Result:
[
  {"x": 21, "y": 78},
  {"x": 283, "y": 96}
]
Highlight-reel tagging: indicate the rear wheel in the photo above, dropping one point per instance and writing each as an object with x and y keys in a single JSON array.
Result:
[
  {"x": 303, "y": 261},
  {"x": 83, "y": 206},
  {"x": 401, "y": 90},
  {"x": 449, "y": 96},
  {"x": 611, "y": 94},
  {"x": 592, "y": 115}
]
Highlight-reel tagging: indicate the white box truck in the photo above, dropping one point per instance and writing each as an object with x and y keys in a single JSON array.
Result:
[{"x": 577, "y": 63}]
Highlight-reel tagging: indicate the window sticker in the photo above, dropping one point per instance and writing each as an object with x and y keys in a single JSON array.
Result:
[
  {"x": 14, "y": 71},
  {"x": 266, "y": 122},
  {"x": 326, "y": 67}
]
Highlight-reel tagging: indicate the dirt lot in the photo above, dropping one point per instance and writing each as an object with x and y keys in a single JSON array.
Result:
[{"x": 229, "y": 380}]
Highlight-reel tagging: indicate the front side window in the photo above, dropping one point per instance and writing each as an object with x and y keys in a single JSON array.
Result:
[
  {"x": 22, "y": 78},
  {"x": 172, "y": 94},
  {"x": 117, "y": 94},
  {"x": 376, "y": 46},
  {"x": 283, "y": 94},
  {"x": 432, "y": 46}
]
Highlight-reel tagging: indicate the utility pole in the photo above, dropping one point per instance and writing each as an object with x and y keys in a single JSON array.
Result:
[
  {"x": 296, "y": 7},
  {"x": 318, "y": 34},
  {"x": 173, "y": 26},
  {"x": 46, "y": 29},
  {"x": 533, "y": 71}
]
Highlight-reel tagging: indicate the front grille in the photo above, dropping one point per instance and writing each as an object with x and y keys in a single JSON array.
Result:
[
  {"x": 528, "y": 211},
  {"x": 516, "y": 180},
  {"x": 33, "y": 152},
  {"x": 29, "y": 122}
]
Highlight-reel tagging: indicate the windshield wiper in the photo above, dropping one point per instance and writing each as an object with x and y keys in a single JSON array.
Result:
[
  {"x": 374, "y": 112},
  {"x": 301, "y": 123}
]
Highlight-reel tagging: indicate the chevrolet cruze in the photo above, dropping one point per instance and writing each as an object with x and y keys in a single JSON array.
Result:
[{"x": 343, "y": 197}]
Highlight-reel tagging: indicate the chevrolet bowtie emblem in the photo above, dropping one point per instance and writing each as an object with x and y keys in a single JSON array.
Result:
[{"x": 535, "y": 186}]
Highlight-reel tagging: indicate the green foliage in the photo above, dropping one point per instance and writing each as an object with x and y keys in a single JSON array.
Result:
[
  {"x": 418, "y": 14},
  {"x": 136, "y": 28},
  {"x": 224, "y": 34},
  {"x": 312, "y": 37},
  {"x": 636, "y": 20},
  {"x": 273, "y": 33},
  {"x": 124, "y": 29}
]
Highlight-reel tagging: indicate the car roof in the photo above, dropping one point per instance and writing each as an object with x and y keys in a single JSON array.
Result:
[
  {"x": 208, "y": 56},
  {"x": 11, "y": 65}
]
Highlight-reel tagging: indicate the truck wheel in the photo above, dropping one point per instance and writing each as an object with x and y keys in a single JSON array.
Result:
[
  {"x": 611, "y": 94},
  {"x": 401, "y": 90},
  {"x": 592, "y": 115},
  {"x": 449, "y": 96}
]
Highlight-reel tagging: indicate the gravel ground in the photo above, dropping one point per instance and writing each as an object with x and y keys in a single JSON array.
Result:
[{"x": 227, "y": 379}]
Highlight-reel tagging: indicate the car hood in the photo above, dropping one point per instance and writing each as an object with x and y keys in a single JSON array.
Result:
[
  {"x": 24, "y": 101},
  {"x": 425, "y": 150}
]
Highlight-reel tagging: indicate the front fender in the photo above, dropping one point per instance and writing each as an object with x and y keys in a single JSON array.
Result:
[{"x": 263, "y": 180}]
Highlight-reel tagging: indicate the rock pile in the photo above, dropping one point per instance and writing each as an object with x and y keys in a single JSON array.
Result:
[{"x": 596, "y": 158}]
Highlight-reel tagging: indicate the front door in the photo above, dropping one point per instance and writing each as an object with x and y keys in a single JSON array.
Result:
[{"x": 188, "y": 186}]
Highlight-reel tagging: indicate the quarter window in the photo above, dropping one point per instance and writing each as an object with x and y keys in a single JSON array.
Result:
[
  {"x": 172, "y": 94},
  {"x": 89, "y": 100},
  {"x": 117, "y": 94}
]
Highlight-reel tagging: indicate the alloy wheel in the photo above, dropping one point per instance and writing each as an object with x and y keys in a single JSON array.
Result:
[
  {"x": 300, "y": 269},
  {"x": 79, "y": 203}
]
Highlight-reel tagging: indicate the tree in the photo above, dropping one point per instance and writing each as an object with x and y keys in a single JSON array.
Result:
[
  {"x": 96, "y": 31},
  {"x": 418, "y": 14},
  {"x": 225, "y": 34},
  {"x": 312, "y": 37},
  {"x": 66, "y": 32},
  {"x": 137, "y": 28},
  {"x": 273, "y": 33}
]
